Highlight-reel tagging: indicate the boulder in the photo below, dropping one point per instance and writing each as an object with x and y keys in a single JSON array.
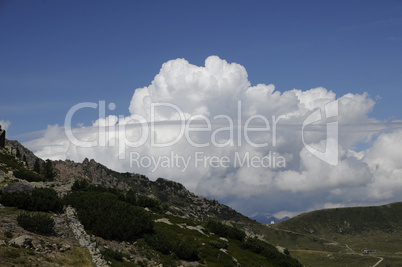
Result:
[
  {"x": 21, "y": 241},
  {"x": 64, "y": 248},
  {"x": 18, "y": 187}
]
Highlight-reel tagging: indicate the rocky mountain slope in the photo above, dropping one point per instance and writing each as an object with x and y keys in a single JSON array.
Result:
[
  {"x": 179, "y": 200},
  {"x": 187, "y": 230}
]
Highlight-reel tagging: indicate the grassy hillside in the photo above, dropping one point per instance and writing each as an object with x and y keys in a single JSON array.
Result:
[
  {"x": 335, "y": 236},
  {"x": 347, "y": 221}
]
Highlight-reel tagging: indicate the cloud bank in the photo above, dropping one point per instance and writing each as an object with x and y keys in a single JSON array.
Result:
[{"x": 210, "y": 129}]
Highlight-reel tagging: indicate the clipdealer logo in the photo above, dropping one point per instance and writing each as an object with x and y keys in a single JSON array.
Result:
[
  {"x": 330, "y": 155},
  {"x": 239, "y": 132}
]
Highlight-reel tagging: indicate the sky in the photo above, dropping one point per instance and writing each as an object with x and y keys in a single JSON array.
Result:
[{"x": 284, "y": 58}]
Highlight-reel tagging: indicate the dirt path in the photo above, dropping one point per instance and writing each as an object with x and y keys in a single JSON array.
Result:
[
  {"x": 347, "y": 246},
  {"x": 381, "y": 259}
]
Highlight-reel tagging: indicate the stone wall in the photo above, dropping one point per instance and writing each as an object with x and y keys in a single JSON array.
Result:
[{"x": 84, "y": 239}]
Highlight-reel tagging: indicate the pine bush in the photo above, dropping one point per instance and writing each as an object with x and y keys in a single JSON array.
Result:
[{"x": 36, "y": 222}]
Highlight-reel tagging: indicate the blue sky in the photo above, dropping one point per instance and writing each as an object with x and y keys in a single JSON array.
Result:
[{"x": 55, "y": 54}]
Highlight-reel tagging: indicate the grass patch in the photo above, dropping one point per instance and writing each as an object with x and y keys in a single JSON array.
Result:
[
  {"x": 77, "y": 256},
  {"x": 323, "y": 258}
]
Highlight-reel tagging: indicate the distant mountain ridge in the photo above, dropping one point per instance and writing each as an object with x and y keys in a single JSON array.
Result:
[{"x": 267, "y": 218}]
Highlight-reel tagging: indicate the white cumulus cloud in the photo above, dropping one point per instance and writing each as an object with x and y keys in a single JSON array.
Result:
[{"x": 210, "y": 129}]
